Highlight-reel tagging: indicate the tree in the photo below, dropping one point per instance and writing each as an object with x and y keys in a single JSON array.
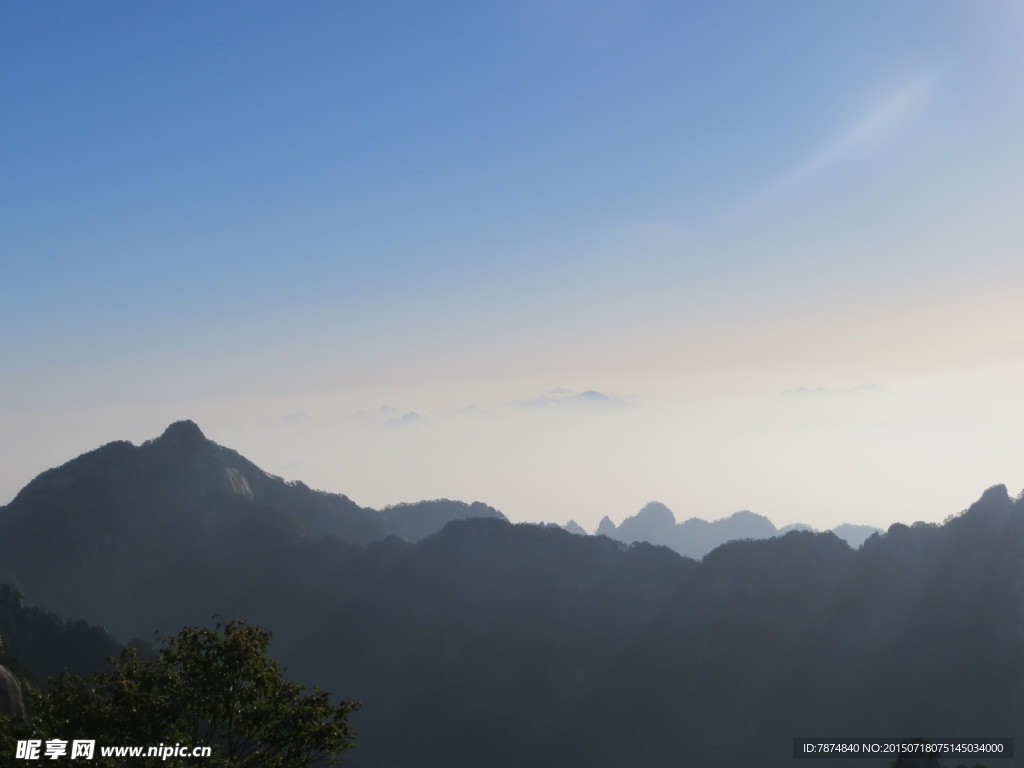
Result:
[{"x": 205, "y": 687}]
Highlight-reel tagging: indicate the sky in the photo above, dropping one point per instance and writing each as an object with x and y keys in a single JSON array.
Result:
[{"x": 565, "y": 257}]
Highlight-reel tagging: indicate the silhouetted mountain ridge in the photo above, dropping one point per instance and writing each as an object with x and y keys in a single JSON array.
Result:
[
  {"x": 37, "y": 644},
  {"x": 656, "y": 524},
  {"x": 122, "y": 519},
  {"x": 487, "y": 643}
]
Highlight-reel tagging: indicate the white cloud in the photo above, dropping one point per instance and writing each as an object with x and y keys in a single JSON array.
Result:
[
  {"x": 411, "y": 418},
  {"x": 561, "y": 397},
  {"x": 859, "y": 389}
]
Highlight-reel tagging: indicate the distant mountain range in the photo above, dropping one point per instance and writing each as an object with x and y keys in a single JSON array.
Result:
[
  {"x": 484, "y": 643},
  {"x": 656, "y": 524}
]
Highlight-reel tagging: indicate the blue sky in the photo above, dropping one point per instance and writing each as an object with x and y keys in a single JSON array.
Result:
[{"x": 280, "y": 218}]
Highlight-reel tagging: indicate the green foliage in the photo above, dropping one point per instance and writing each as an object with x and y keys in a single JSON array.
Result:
[
  {"x": 11, "y": 730},
  {"x": 215, "y": 687}
]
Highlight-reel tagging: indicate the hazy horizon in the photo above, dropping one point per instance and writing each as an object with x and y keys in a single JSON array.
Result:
[{"x": 387, "y": 250}]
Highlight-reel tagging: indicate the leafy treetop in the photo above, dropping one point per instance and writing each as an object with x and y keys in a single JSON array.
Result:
[{"x": 216, "y": 687}]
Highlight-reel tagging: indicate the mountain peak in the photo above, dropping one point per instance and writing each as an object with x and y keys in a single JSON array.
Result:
[
  {"x": 997, "y": 494},
  {"x": 183, "y": 433},
  {"x": 655, "y": 511}
]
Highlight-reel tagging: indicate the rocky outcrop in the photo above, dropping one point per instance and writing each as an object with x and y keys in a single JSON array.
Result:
[{"x": 11, "y": 700}]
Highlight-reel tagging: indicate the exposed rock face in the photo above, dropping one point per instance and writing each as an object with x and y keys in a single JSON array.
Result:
[
  {"x": 238, "y": 483},
  {"x": 11, "y": 701}
]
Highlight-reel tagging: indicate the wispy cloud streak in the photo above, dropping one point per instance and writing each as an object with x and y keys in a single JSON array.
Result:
[{"x": 880, "y": 124}]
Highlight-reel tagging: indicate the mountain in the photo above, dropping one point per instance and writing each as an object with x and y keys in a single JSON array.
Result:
[
  {"x": 416, "y": 521},
  {"x": 855, "y": 535},
  {"x": 487, "y": 643},
  {"x": 801, "y": 634},
  {"x": 501, "y": 645},
  {"x": 176, "y": 516},
  {"x": 656, "y": 524},
  {"x": 573, "y": 527},
  {"x": 37, "y": 644}
]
